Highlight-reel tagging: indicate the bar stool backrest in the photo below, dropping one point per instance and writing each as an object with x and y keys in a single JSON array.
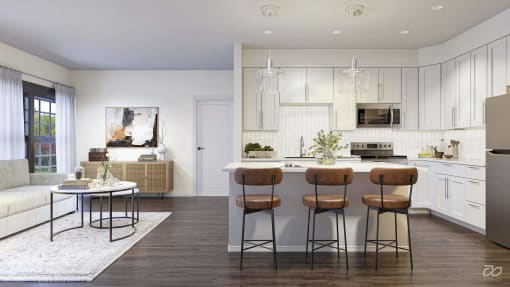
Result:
[
  {"x": 394, "y": 176},
  {"x": 329, "y": 176},
  {"x": 258, "y": 176}
]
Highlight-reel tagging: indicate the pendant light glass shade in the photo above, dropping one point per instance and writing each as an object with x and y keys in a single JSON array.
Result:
[
  {"x": 354, "y": 80},
  {"x": 267, "y": 78}
]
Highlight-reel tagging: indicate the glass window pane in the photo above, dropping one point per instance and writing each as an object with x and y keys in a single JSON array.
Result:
[
  {"x": 53, "y": 108},
  {"x": 36, "y": 117},
  {"x": 45, "y": 148},
  {"x": 25, "y": 102},
  {"x": 26, "y": 129},
  {"x": 36, "y": 129},
  {"x": 53, "y": 125},
  {"x": 45, "y": 106},
  {"x": 45, "y": 119},
  {"x": 36, "y": 104},
  {"x": 45, "y": 130},
  {"x": 26, "y": 115}
]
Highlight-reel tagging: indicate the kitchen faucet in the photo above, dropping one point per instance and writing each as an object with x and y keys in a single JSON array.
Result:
[{"x": 301, "y": 147}]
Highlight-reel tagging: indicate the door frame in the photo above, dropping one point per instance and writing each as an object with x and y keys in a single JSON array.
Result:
[{"x": 196, "y": 100}]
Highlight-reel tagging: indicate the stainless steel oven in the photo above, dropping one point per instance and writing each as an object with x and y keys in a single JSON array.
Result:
[{"x": 378, "y": 115}]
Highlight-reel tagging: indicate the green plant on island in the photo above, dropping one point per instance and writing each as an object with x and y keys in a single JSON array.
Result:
[
  {"x": 325, "y": 145},
  {"x": 256, "y": 147}
]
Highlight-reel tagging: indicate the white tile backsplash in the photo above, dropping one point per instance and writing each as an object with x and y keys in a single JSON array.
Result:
[{"x": 306, "y": 121}]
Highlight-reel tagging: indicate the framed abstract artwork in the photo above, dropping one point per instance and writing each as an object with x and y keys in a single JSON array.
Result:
[{"x": 131, "y": 127}]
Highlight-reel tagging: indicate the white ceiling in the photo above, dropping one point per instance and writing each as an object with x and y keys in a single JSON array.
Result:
[{"x": 198, "y": 34}]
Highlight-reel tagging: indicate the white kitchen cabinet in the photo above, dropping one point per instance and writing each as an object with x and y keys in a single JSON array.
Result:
[
  {"x": 463, "y": 95},
  {"x": 457, "y": 196},
  {"x": 497, "y": 77},
  {"x": 441, "y": 203},
  {"x": 475, "y": 191},
  {"x": 430, "y": 97},
  {"x": 292, "y": 85},
  {"x": 420, "y": 197},
  {"x": 410, "y": 107},
  {"x": 372, "y": 95},
  {"x": 448, "y": 94},
  {"x": 260, "y": 111},
  {"x": 478, "y": 86},
  {"x": 475, "y": 214},
  {"x": 319, "y": 85},
  {"x": 390, "y": 85},
  {"x": 344, "y": 107}
]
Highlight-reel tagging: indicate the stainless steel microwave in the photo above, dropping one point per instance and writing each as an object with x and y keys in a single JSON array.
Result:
[{"x": 378, "y": 115}]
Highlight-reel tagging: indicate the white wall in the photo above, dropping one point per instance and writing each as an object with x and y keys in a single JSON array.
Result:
[
  {"x": 28, "y": 63},
  {"x": 479, "y": 35},
  {"x": 171, "y": 91}
]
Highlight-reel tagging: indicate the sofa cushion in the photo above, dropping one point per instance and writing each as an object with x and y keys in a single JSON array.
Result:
[
  {"x": 24, "y": 198},
  {"x": 13, "y": 173}
]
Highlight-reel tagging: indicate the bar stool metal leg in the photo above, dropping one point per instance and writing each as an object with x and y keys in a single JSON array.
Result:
[
  {"x": 366, "y": 231},
  {"x": 396, "y": 236},
  {"x": 242, "y": 241},
  {"x": 409, "y": 238},
  {"x": 307, "y": 235},
  {"x": 313, "y": 234},
  {"x": 337, "y": 240},
  {"x": 274, "y": 241},
  {"x": 377, "y": 242},
  {"x": 90, "y": 209},
  {"x": 345, "y": 242}
]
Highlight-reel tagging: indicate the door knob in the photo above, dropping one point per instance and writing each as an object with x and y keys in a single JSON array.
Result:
[{"x": 200, "y": 148}]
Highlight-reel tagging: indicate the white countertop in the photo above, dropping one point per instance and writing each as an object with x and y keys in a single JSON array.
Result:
[
  {"x": 358, "y": 167},
  {"x": 294, "y": 159},
  {"x": 476, "y": 162}
]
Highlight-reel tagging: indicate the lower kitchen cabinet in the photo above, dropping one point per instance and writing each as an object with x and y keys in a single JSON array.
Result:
[{"x": 456, "y": 191}]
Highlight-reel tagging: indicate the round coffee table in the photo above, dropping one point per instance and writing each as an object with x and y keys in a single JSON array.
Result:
[{"x": 121, "y": 187}]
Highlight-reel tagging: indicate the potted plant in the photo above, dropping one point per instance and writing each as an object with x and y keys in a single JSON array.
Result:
[
  {"x": 255, "y": 150},
  {"x": 325, "y": 147}
]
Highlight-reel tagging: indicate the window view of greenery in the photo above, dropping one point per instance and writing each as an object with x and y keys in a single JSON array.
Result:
[{"x": 40, "y": 116}]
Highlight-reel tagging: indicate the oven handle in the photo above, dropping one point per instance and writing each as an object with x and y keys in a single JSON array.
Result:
[{"x": 391, "y": 116}]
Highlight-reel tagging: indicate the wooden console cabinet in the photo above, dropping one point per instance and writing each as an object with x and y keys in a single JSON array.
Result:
[{"x": 151, "y": 177}]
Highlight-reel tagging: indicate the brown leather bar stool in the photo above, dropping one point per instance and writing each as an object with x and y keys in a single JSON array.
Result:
[
  {"x": 396, "y": 203},
  {"x": 321, "y": 203},
  {"x": 258, "y": 202}
]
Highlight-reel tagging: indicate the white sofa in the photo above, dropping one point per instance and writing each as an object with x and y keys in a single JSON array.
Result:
[{"x": 25, "y": 197}]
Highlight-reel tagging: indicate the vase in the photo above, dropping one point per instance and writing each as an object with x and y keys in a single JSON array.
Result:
[
  {"x": 105, "y": 177},
  {"x": 161, "y": 150},
  {"x": 328, "y": 157}
]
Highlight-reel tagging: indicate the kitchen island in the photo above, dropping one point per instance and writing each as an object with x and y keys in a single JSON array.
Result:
[{"x": 291, "y": 215}]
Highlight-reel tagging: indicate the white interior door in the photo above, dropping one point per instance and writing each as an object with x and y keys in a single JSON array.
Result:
[{"x": 213, "y": 146}]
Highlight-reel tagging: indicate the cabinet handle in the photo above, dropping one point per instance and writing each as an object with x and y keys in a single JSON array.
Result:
[
  {"x": 307, "y": 92},
  {"x": 381, "y": 91},
  {"x": 447, "y": 164},
  {"x": 261, "y": 123},
  {"x": 474, "y": 206},
  {"x": 474, "y": 167},
  {"x": 474, "y": 182},
  {"x": 403, "y": 120}
]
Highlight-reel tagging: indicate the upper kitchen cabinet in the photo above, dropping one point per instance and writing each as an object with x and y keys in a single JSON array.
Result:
[
  {"x": 319, "y": 85},
  {"x": 390, "y": 85},
  {"x": 478, "y": 86},
  {"x": 497, "y": 64},
  {"x": 344, "y": 107},
  {"x": 430, "y": 97},
  {"x": 410, "y": 99},
  {"x": 260, "y": 111},
  {"x": 306, "y": 85},
  {"x": 463, "y": 95},
  {"x": 372, "y": 95},
  {"x": 292, "y": 85},
  {"x": 448, "y": 94}
]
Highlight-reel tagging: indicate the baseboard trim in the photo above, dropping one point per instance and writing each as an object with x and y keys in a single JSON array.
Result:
[{"x": 459, "y": 222}]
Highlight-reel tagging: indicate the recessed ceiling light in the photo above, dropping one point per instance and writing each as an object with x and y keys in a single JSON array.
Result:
[
  {"x": 268, "y": 32},
  {"x": 336, "y": 32},
  {"x": 437, "y": 7},
  {"x": 404, "y": 32}
]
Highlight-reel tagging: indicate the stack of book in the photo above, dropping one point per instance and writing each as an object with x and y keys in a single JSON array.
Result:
[
  {"x": 147, "y": 157},
  {"x": 75, "y": 184}
]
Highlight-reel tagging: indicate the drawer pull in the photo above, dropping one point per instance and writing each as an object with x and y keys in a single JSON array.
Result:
[
  {"x": 474, "y": 167},
  {"x": 474, "y": 182},
  {"x": 474, "y": 206}
]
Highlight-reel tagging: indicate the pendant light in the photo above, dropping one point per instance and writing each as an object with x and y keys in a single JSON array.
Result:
[
  {"x": 268, "y": 77},
  {"x": 354, "y": 80}
]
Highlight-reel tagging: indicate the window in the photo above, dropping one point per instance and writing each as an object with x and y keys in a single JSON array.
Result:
[{"x": 40, "y": 116}]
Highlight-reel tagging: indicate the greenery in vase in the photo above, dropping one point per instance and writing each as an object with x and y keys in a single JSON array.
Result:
[
  {"x": 105, "y": 168},
  {"x": 326, "y": 144},
  {"x": 256, "y": 147}
]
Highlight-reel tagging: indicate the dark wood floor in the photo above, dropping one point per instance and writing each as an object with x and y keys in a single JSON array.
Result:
[{"x": 189, "y": 249}]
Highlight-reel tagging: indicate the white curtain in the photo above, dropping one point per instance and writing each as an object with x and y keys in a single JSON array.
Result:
[
  {"x": 12, "y": 131},
  {"x": 65, "y": 128}
]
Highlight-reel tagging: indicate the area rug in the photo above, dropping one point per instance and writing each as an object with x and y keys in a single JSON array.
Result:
[{"x": 76, "y": 255}]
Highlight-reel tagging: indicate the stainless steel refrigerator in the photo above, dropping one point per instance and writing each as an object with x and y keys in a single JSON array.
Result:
[{"x": 498, "y": 170}]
